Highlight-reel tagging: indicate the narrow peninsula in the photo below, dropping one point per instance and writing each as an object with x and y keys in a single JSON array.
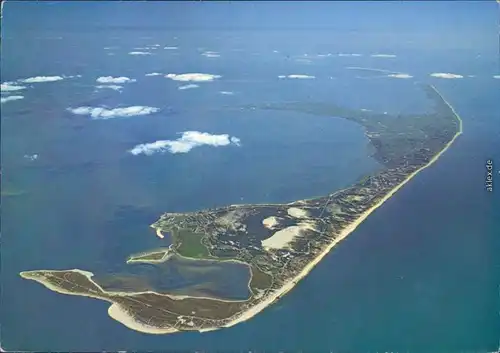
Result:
[{"x": 280, "y": 243}]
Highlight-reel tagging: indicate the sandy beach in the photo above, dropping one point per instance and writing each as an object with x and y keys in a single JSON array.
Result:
[
  {"x": 116, "y": 312},
  {"x": 251, "y": 312},
  {"x": 121, "y": 315}
]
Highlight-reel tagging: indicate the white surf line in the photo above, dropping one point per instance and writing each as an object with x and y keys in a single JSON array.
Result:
[{"x": 252, "y": 311}]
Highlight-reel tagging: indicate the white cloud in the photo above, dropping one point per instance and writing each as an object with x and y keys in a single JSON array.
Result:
[
  {"x": 32, "y": 157},
  {"x": 400, "y": 75},
  {"x": 171, "y": 48},
  {"x": 154, "y": 74},
  {"x": 190, "y": 86},
  {"x": 301, "y": 76},
  {"x": 349, "y": 55},
  {"x": 383, "y": 56},
  {"x": 11, "y": 98},
  {"x": 496, "y": 76},
  {"x": 446, "y": 75},
  {"x": 139, "y": 53},
  {"x": 227, "y": 93},
  {"x": 211, "y": 54},
  {"x": 184, "y": 144},
  {"x": 9, "y": 87},
  {"x": 103, "y": 113},
  {"x": 113, "y": 87},
  {"x": 111, "y": 79},
  {"x": 195, "y": 77},
  {"x": 297, "y": 76},
  {"x": 235, "y": 140},
  {"x": 38, "y": 79}
]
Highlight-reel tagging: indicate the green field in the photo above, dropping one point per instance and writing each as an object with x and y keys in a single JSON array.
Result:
[
  {"x": 260, "y": 280},
  {"x": 189, "y": 244}
]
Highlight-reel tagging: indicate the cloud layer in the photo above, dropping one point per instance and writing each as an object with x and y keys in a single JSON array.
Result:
[
  {"x": 113, "y": 87},
  {"x": 446, "y": 75},
  {"x": 194, "y": 77},
  {"x": 154, "y": 74},
  {"x": 383, "y": 56},
  {"x": 139, "y": 53},
  {"x": 184, "y": 144},
  {"x": 103, "y": 113},
  {"x": 190, "y": 86},
  {"x": 10, "y": 87},
  {"x": 211, "y": 54},
  {"x": 400, "y": 75},
  {"x": 38, "y": 79},
  {"x": 11, "y": 98},
  {"x": 297, "y": 76},
  {"x": 111, "y": 79}
]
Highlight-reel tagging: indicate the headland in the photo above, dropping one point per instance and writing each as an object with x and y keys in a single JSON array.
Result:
[{"x": 280, "y": 243}]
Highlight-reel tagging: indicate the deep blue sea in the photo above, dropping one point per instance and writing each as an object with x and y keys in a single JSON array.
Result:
[{"x": 419, "y": 275}]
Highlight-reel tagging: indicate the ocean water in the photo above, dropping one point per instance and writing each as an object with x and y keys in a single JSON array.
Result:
[{"x": 420, "y": 274}]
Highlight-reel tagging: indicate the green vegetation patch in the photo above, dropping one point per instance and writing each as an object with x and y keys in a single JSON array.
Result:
[
  {"x": 260, "y": 280},
  {"x": 188, "y": 244}
]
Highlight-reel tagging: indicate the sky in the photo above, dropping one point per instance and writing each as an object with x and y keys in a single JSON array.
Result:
[
  {"x": 430, "y": 16},
  {"x": 427, "y": 24}
]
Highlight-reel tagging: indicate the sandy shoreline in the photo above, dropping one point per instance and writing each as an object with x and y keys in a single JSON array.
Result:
[
  {"x": 116, "y": 312},
  {"x": 251, "y": 312},
  {"x": 121, "y": 315}
]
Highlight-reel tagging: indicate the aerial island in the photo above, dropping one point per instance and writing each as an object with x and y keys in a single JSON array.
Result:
[{"x": 280, "y": 243}]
